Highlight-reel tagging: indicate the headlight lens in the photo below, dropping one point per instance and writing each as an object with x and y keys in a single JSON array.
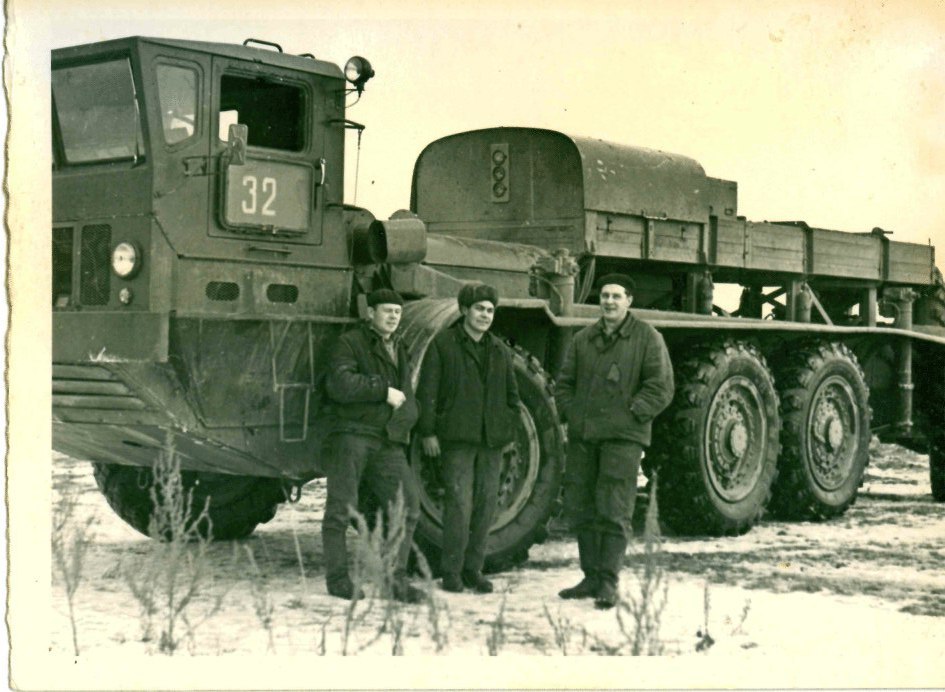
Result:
[
  {"x": 358, "y": 70},
  {"x": 125, "y": 260}
]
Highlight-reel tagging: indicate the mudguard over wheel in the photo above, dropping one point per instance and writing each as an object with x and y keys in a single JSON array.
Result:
[
  {"x": 529, "y": 482},
  {"x": 825, "y": 432},
  {"x": 716, "y": 446},
  {"x": 237, "y": 503}
]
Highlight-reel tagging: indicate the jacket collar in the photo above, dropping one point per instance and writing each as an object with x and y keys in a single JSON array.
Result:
[
  {"x": 376, "y": 342},
  {"x": 464, "y": 337},
  {"x": 623, "y": 331},
  {"x": 375, "y": 336}
]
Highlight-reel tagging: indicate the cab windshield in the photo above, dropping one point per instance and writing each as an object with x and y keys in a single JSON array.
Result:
[{"x": 96, "y": 109}]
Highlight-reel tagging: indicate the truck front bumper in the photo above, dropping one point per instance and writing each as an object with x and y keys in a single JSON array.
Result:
[{"x": 89, "y": 337}]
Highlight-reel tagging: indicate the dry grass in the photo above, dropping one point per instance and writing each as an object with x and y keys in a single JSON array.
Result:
[
  {"x": 375, "y": 572},
  {"x": 71, "y": 540},
  {"x": 497, "y": 637},
  {"x": 174, "y": 584},
  {"x": 704, "y": 640},
  {"x": 564, "y": 631},
  {"x": 640, "y": 611},
  {"x": 176, "y": 567},
  {"x": 263, "y": 605},
  {"x": 438, "y": 618}
]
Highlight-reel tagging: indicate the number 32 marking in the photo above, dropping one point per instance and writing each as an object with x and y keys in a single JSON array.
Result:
[{"x": 251, "y": 182}]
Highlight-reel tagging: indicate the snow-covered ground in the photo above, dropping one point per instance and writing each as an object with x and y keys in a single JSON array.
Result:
[{"x": 858, "y": 601}]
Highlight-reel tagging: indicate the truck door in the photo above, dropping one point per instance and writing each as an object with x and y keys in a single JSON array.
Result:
[
  {"x": 274, "y": 195},
  {"x": 178, "y": 86}
]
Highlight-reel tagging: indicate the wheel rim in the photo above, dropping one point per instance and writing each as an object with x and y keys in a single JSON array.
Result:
[
  {"x": 520, "y": 462},
  {"x": 833, "y": 429},
  {"x": 735, "y": 434},
  {"x": 517, "y": 475}
]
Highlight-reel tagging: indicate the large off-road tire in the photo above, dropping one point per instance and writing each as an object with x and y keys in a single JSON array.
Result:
[
  {"x": 716, "y": 446},
  {"x": 237, "y": 503},
  {"x": 825, "y": 433},
  {"x": 530, "y": 477}
]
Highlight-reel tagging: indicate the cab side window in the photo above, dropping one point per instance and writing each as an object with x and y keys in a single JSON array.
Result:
[{"x": 177, "y": 93}]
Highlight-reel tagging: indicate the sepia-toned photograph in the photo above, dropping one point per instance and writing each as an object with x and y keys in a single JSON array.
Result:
[{"x": 491, "y": 334}]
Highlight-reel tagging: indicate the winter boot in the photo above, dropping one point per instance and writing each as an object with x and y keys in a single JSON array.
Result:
[
  {"x": 477, "y": 582},
  {"x": 612, "y": 550},
  {"x": 606, "y": 596},
  {"x": 336, "y": 566},
  {"x": 452, "y": 583},
  {"x": 589, "y": 551},
  {"x": 341, "y": 587}
]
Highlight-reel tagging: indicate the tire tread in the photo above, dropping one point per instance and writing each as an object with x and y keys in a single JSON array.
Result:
[
  {"x": 127, "y": 491},
  {"x": 793, "y": 496}
]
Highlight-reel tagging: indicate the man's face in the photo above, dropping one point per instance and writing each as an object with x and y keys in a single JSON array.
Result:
[
  {"x": 479, "y": 316},
  {"x": 614, "y": 302},
  {"x": 385, "y": 317}
]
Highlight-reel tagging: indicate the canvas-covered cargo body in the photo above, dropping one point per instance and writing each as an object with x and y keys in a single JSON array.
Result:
[{"x": 649, "y": 207}]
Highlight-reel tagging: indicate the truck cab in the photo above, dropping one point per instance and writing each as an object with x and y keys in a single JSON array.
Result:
[{"x": 161, "y": 205}]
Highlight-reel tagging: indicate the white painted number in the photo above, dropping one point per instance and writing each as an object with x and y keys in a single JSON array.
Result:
[
  {"x": 249, "y": 206},
  {"x": 252, "y": 184},
  {"x": 269, "y": 185}
]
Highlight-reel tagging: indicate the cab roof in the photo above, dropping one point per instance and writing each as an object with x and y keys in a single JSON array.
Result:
[{"x": 265, "y": 56}]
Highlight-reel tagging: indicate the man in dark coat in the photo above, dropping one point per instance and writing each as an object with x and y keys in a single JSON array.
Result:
[
  {"x": 616, "y": 377},
  {"x": 373, "y": 409},
  {"x": 468, "y": 405}
]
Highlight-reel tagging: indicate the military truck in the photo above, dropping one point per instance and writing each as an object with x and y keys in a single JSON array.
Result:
[{"x": 204, "y": 261}]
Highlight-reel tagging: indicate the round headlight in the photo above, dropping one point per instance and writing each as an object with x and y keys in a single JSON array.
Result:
[
  {"x": 357, "y": 71},
  {"x": 125, "y": 260}
]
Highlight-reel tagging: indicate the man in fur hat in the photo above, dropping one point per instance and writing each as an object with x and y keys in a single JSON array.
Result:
[
  {"x": 616, "y": 377},
  {"x": 468, "y": 408}
]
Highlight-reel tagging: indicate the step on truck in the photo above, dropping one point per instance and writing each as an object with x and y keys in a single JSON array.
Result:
[{"x": 204, "y": 262}]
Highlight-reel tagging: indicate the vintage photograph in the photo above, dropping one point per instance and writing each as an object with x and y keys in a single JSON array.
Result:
[{"x": 475, "y": 332}]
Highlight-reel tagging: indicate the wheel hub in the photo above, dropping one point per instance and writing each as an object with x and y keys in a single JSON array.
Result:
[
  {"x": 834, "y": 434},
  {"x": 736, "y": 429},
  {"x": 832, "y": 431},
  {"x": 738, "y": 439}
]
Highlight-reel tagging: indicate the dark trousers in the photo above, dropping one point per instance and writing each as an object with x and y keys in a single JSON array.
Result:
[
  {"x": 382, "y": 465},
  {"x": 471, "y": 478},
  {"x": 601, "y": 485}
]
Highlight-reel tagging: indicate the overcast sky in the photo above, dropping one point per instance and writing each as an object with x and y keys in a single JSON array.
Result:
[{"x": 831, "y": 112}]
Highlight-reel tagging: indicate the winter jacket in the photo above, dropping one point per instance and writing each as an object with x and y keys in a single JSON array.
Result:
[
  {"x": 611, "y": 387},
  {"x": 359, "y": 372},
  {"x": 459, "y": 402}
]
